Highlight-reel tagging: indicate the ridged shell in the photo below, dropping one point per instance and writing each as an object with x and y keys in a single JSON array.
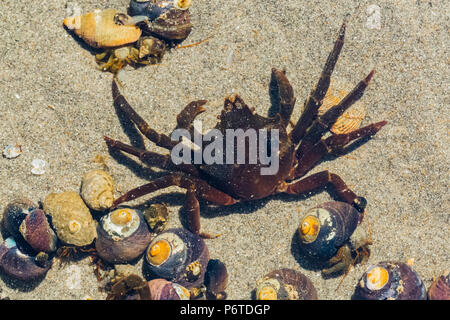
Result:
[
  {"x": 38, "y": 233},
  {"x": 123, "y": 235},
  {"x": 390, "y": 281},
  {"x": 179, "y": 256},
  {"x": 336, "y": 223},
  {"x": 97, "y": 190},
  {"x": 440, "y": 288},
  {"x": 14, "y": 214},
  {"x": 99, "y": 29},
  {"x": 351, "y": 119},
  {"x": 285, "y": 284},
  {"x": 161, "y": 289},
  {"x": 71, "y": 218},
  {"x": 18, "y": 264}
]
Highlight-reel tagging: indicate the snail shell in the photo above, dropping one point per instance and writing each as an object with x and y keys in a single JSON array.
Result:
[
  {"x": 351, "y": 119},
  {"x": 20, "y": 265},
  {"x": 440, "y": 288},
  {"x": 71, "y": 218},
  {"x": 179, "y": 256},
  {"x": 100, "y": 30},
  {"x": 123, "y": 235},
  {"x": 161, "y": 289},
  {"x": 216, "y": 279},
  {"x": 285, "y": 284},
  {"x": 97, "y": 190},
  {"x": 37, "y": 232},
  {"x": 325, "y": 228},
  {"x": 167, "y": 19},
  {"x": 14, "y": 213},
  {"x": 390, "y": 281}
]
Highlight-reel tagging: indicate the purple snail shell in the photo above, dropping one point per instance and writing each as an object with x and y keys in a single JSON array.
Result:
[
  {"x": 14, "y": 213},
  {"x": 38, "y": 233},
  {"x": 440, "y": 289},
  {"x": 161, "y": 289},
  {"x": 325, "y": 228},
  {"x": 122, "y": 235},
  {"x": 216, "y": 279},
  {"x": 390, "y": 281},
  {"x": 179, "y": 256},
  {"x": 285, "y": 284},
  {"x": 18, "y": 264}
]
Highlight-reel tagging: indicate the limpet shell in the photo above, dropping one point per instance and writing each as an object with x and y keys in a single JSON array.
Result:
[
  {"x": 71, "y": 218},
  {"x": 99, "y": 29},
  {"x": 97, "y": 190},
  {"x": 351, "y": 119}
]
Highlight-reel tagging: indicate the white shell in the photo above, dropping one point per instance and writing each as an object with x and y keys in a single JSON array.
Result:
[
  {"x": 12, "y": 151},
  {"x": 38, "y": 166},
  {"x": 97, "y": 190}
]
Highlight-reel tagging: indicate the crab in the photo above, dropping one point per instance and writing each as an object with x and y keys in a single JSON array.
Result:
[{"x": 300, "y": 150}]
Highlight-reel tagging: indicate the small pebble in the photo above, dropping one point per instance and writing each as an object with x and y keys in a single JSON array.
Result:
[
  {"x": 12, "y": 151},
  {"x": 38, "y": 166}
]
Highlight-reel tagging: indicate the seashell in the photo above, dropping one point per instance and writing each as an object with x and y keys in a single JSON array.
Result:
[
  {"x": 100, "y": 29},
  {"x": 325, "y": 228},
  {"x": 179, "y": 256},
  {"x": 351, "y": 119},
  {"x": 390, "y": 281},
  {"x": 12, "y": 151},
  {"x": 14, "y": 213},
  {"x": 165, "y": 19},
  {"x": 440, "y": 288},
  {"x": 20, "y": 265},
  {"x": 216, "y": 279},
  {"x": 161, "y": 289},
  {"x": 38, "y": 166},
  {"x": 130, "y": 287},
  {"x": 37, "y": 232},
  {"x": 156, "y": 216},
  {"x": 285, "y": 284},
  {"x": 71, "y": 218},
  {"x": 123, "y": 235},
  {"x": 97, "y": 190}
]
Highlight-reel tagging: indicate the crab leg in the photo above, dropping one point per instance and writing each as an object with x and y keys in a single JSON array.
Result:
[
  {"x": 161, "y": 140},
  {"x": 195, "y": 188},
  {"x": 322, "y": 179},
  {"x": 323, "y": 124},
  {"x": 189, "y": 113},
  {"x": 283, "y": 94},
  {"x": 151, "y": 158},
  {"x": 332, "y": 144},
  {"x": 318, "y": 93}
]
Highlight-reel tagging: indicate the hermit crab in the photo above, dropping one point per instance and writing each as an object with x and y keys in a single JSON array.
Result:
[
  {"x": 162, "y": 24},
  {"x": 223, "y": 183}
]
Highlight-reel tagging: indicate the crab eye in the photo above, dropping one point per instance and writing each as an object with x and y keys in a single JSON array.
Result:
[{"x": 182, "y": 4}]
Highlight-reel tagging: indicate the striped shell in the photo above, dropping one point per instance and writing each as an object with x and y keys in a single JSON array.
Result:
[
  {"x": 99, "y": 29},
  {"x": 440, "y": 289},
  {"x": 351, "y": 119}
]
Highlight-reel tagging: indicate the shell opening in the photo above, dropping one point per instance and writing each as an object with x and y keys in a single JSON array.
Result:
[
  {"x": 159, "y": 252},
  {"x": 121, "y": 216},
  {"x": 377, "y": 278},
  {"x": 267, "y": 293},
  {"x": 309, "y": 229},
  {"x": 182, "y": 4},
  {"x": 74, "y": 226}
]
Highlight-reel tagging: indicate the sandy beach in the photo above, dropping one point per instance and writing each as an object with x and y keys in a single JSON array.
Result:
[{"x": 58, "y": 106}]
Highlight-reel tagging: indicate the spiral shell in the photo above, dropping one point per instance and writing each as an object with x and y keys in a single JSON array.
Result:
[
  {"x": 38, "y": 233},
  {"x": 71, "y": 218},
  {"x": 351, "y": 119},
  {"x": 440, "y": 288},
  {"x": 19, "y": 265},
  {"x": 325, "y": 228},
  {"x": 97, "y": 190},
  {"x": 100, "y": 30},
  {"x": 123, "y": 235},
  {"x": 179, "y": 256},
  {"x": 161, "y": 289},
  {"x": 390, "y": 281},
  {"x": 285, "y": 284},
  {"x": 14, "y": 213}
]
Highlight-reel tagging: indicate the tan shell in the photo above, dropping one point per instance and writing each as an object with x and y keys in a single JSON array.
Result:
[
  {"x": 98, "y": 29},
  {"x": 351, "y": 119},
  {"x": 97, "y": 190},
  {"x": 71, "y": 218}
]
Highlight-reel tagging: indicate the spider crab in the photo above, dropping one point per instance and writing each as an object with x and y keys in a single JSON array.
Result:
[{"x": 300, "y": 150}]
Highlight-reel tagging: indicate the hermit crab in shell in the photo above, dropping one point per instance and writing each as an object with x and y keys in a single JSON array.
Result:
[
  {"x": 299, "y": 150},
  {"x": 139, "y": 39}
]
